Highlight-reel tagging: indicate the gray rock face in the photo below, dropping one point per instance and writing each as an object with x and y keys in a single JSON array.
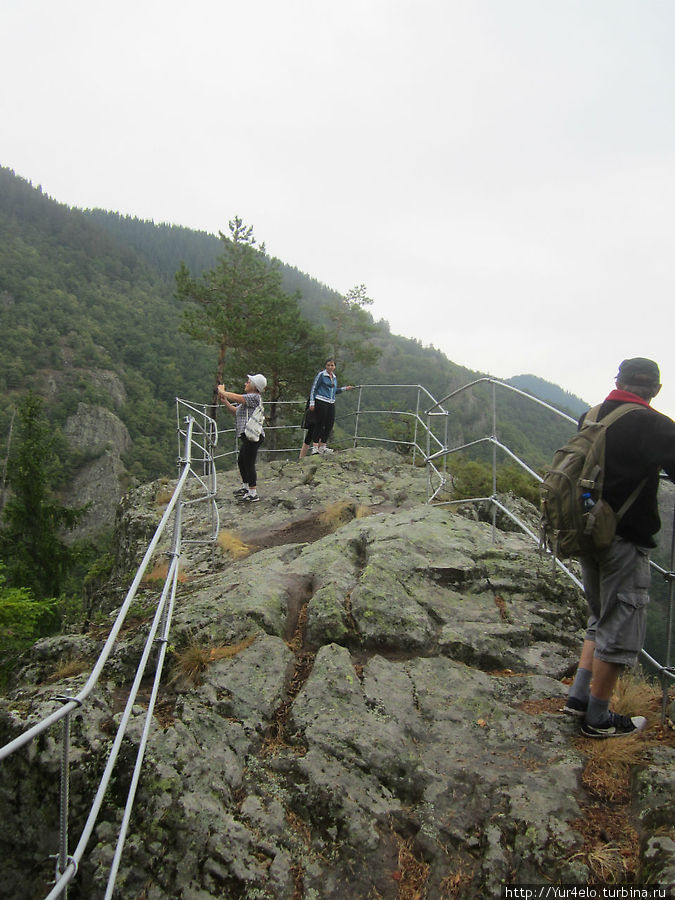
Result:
[
  {"x": 385, "y": 715},
  {"x": 93, "y": 429},
  {"x": 102, "y": 438}
]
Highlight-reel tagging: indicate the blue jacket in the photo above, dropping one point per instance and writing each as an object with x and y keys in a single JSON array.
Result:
[{"x": 324, "y": 388}]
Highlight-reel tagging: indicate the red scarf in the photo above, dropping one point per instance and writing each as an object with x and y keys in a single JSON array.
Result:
[{"x": 626, "y": 397}]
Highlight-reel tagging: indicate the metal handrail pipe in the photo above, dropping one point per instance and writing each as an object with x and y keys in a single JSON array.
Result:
[
  {"x": 496, "y": 443},
  {"x": 665, "y": 671},
  {"x": 389, "y": 441},
  {"x": 517, "y": 459},
  {"x": 201, "y": 410},
  {"x": 56, "y": 716},
  {"x": 76, "y": 856},
  {"x": 394, "y": 412},
  {"x": 508, "y": 387},
  {"x": 534, "y": 537},
  {"x": 417, "y": 387},
  {"x": 131, "y": 796},
  {"x": 386, "y": 412},
  {"x": 446, "y": 451}
]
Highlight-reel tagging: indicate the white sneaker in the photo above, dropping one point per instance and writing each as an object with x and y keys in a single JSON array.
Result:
[
  {"x": 324, "y": 450},
  {"x": 314, "y": 450}
]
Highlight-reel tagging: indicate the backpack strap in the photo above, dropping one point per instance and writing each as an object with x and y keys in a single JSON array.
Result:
[
  {"x": 630, "y": 500},
  {"x": 607, "y": 420}
]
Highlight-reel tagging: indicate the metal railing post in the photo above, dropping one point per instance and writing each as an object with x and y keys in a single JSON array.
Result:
[
  {"x": 356, "y": 420},
  {"x": 417, "y": 416},
  {"x": 494, "y": 460},
  {"x": 671, "y": 576},
  {"x": 62, "y": 856},
  {"x": 668, "y": 667}
]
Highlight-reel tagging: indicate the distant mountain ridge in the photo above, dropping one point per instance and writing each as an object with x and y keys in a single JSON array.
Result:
[{"x": 550, "y": 393}]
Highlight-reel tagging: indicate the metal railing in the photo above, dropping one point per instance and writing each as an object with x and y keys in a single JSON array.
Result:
[
  {"x": 664, "y": 671},
  {"x": 421, "y": 443},
  {"x": 197, "y": 435},
  {"x": 429, "y": 441}
]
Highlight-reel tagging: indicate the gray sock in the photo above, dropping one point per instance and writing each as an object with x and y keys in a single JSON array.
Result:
[
  {"x": 597, "y": 712},
  {"x": 581, "y": 686}
]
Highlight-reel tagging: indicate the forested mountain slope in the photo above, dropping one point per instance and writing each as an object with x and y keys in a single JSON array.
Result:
[{"x": 85, "y": 292}]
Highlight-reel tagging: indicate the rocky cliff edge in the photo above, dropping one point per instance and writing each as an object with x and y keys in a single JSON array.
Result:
[{"x": 376, "y": 712}]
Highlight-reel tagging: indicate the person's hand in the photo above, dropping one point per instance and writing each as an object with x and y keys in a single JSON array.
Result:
[{"x": 311, "y": 406}]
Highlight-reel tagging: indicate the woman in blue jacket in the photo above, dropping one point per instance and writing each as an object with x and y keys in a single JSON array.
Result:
[{"x": 321, "y": 409}]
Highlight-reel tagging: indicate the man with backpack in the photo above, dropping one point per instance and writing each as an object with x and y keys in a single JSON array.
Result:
[{"x": 616, "y": 578}]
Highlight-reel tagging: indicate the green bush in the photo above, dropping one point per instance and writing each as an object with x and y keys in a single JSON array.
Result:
[
  {"x": 472, "y": 479},
  {"x": 23, "y": 619}
]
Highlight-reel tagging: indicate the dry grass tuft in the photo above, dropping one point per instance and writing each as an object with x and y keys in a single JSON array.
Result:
[
  {"x": 163, "y": 495},
  {"x": 193, "y": 661},
  {"x": 455, "y": 884},
  {"x": 606, "y": 862},
  {"x": 611, "y": 847},
  {"x": 232, "y": 545},
  {"x": 159, "y": 573},
  {"x": 618, "y": 754},
  {"x": 607, "y": 774},
  {"x": 412, "y": 873},
  {"x": 67, "y": 668},
  {"x": 230, "y": 650},
  {"x": 337, "y": 514},
  {"x": 635, "y": 695}
]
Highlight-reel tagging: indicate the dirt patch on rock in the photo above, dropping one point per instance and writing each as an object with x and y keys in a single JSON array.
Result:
[{"x": 301, "y": 531}]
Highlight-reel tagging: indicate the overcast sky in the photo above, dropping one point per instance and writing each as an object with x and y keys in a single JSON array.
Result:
[{"x": 499, "y": 173}]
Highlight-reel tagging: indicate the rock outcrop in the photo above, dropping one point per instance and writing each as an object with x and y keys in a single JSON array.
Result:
[
  {"x": 378, "y": 715},
  {"x": 101, "y": 437}
]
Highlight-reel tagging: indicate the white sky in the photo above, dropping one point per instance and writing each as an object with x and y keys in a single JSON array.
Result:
[{"x": 499, "y": 173}]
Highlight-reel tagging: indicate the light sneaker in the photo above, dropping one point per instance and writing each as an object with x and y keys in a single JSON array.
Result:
[
  {"x": 314, "y": 450},
  {"x": 575, "y": 707},
  {"x": 240, "y": 492},
  {"x": 615, "y": 726},
  {"x": 325, "y": 450},
  {"x": 250, "y": 498}
]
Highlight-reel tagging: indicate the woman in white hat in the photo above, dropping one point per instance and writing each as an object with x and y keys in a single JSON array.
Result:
[{"x": 243, "y": 405}]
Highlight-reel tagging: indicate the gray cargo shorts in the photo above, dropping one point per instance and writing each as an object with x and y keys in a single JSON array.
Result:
[{"x": 616, "y": 584}]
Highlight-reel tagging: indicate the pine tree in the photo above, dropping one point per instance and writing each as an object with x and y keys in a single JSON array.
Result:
[
  {"x": 351, "y": 327},
  {"x": 287, "y": 353},
  {"x": 228, "y": 304},
  {"x": 240, "y": 307},
  {"x": 31, "y": 547}
]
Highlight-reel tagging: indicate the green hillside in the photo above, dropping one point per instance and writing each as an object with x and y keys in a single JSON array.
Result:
[{"x": 82, "y": 291}]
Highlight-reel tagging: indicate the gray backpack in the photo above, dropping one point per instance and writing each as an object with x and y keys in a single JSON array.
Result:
[{"x": 574, "y": 518}]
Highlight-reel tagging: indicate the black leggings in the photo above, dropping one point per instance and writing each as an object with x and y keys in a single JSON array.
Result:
[
  {"x": 248, "y": 450},
  {"x": 322, "y": 424}
]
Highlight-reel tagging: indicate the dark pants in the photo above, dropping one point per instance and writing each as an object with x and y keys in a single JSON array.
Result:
[
  {"x": 322, "y": 423},
  {"x": 248, "y": 450}
]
